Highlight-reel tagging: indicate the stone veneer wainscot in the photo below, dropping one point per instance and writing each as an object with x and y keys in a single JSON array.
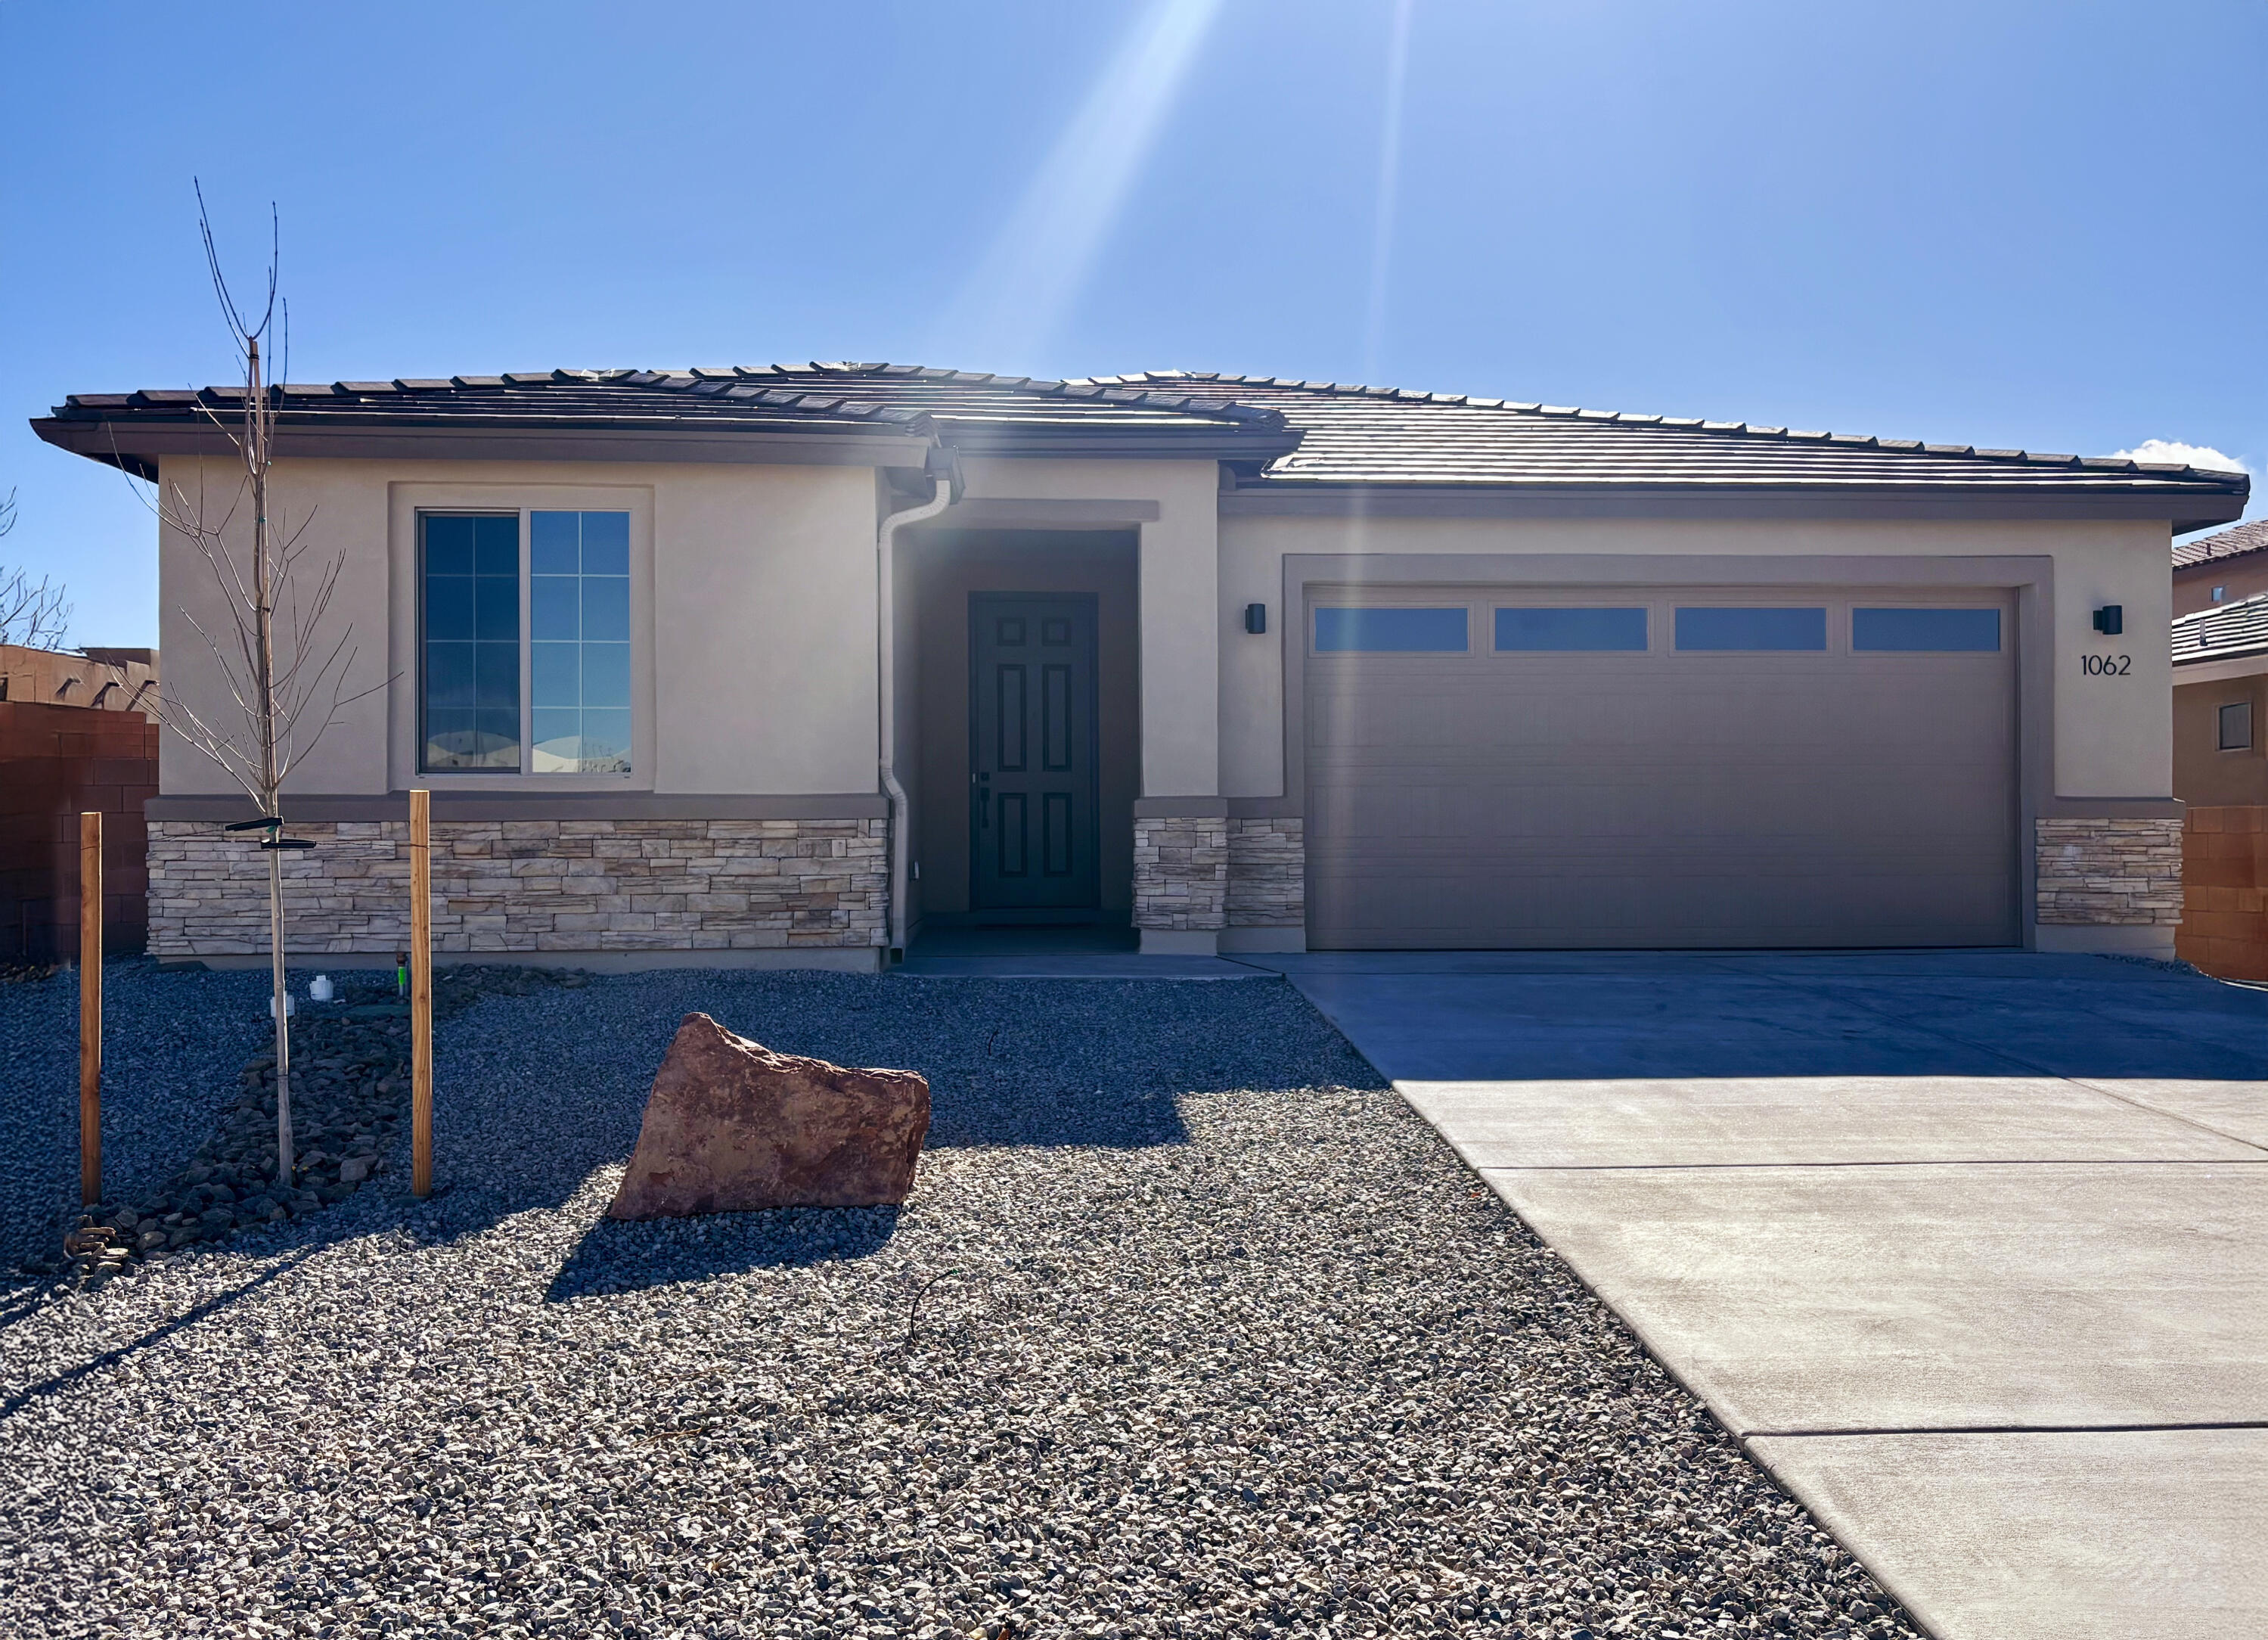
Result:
[
  {"x": 1266, "y": 872},
  {"x": 529, "y": 885},
  {"x": 2106, "y": 872}
]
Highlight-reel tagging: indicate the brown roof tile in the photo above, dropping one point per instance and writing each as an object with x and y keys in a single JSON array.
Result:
[
  {"x": 2236, "y": 542},
  {"x": 2223, "y": 631},
  {"x": 1381, "y": 436},
  {"x": 1313, "y": 434}
]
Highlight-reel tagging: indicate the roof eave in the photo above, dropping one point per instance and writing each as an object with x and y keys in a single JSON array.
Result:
[
  {"x": 2185, "y": 507},
  {"x": 2209, "y": 657},
  {"x": 97, "y": 441},
  {"x": 138, "y": 443},
  {"x": 2206, "y": 568}
]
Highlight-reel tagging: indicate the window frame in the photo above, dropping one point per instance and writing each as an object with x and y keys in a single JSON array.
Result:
[
  {"x": 464, "y": 502},
  {"x": 530, "y": 742},
  {"x": 419, "y": 740},
  {"x": 2219, "y": 722}
]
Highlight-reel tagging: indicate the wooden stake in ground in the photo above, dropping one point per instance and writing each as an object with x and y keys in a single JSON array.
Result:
[
  {"x": 90, "y": 1007},
  {"x": 420, "y": 994}
]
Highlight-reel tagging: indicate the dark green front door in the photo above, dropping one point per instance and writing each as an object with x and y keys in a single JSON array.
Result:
[{"x": 1032, "y": 751}]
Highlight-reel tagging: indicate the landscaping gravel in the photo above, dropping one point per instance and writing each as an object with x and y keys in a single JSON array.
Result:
[
  {"x": 1189, "y": 1328},
  {"x": 173, "y": 1042}
]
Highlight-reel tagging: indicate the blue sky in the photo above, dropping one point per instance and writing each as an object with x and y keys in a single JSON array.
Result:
[{"x": 2034, "y": 226}]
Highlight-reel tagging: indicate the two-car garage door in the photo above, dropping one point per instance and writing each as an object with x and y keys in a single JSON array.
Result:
[{"x": 1501, "y": 768}]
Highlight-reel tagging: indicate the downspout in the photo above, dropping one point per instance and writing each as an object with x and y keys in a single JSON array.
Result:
[{"x": 945, "y": 473}]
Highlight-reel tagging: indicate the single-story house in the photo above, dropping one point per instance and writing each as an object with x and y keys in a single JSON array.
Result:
[
  {"x": 784, "y": 665},
  {"x": 2220, "y": 667}
]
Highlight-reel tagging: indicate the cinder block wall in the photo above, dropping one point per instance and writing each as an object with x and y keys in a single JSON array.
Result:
[
  {"x": 56, "y": 762},
  {"x": 2224, "y": 885}
]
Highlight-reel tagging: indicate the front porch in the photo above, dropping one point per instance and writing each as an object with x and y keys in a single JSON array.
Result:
[{"x": 1056, "y": 733}]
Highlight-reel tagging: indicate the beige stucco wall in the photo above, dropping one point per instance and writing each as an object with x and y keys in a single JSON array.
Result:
[
  {"x": 2110, "y": 733},
  {"x": 339, "y": 509},
  {"x": 762, "y": 578},
  {"x": 1181, "y": 674}
]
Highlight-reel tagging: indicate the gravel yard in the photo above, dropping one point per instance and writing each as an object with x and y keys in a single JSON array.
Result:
[
  {"x": 1189, "y": 1328},
  {"x": 175, "y": 1041}
]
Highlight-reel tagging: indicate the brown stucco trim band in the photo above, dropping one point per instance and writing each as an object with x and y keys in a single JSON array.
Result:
[
  {"x": 469, "y": 806},
  {"x": 2108, "y": 808},
  {"x": 1266, "y": 808},
  {"x": 1181, "y": 808}
]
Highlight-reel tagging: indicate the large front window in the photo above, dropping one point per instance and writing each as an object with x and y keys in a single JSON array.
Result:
[{"x": 526, "y": 656}]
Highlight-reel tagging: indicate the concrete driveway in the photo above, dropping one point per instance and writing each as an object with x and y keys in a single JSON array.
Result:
[{"x": 1972, "y": 1249}]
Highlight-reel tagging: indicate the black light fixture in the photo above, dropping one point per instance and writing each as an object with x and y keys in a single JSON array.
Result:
[
  {"x": 2111, "y": 619},
  {"x": 1256, "y": 617}
]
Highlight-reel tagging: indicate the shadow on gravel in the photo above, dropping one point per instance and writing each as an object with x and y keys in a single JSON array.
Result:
[
  {"x": 213, "y": 1305},
  {"x": 538, "y": 1087},
  {"x": 615, "y": 1256}
]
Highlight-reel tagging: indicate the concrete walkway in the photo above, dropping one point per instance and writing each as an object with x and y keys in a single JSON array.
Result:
[{"x": 1972, "y": 1249}]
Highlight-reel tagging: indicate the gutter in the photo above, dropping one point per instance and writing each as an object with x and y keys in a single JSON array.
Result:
[{"x": 945, "y": 472}]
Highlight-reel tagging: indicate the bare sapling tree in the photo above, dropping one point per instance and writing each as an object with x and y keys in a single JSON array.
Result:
[
  {"x": 32, "y": 614},
  {"x": 286, "y": 673}
]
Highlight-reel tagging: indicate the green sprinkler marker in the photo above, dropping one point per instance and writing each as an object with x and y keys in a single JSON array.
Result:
[{"x": 401, "y": 973}]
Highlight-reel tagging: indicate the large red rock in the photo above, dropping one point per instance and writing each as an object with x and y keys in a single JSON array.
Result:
[{"x": 732, "y": 1125}]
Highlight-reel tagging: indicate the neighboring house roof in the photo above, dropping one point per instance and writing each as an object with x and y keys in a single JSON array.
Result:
[
  {"x": 2223, "y": 632},
  {"x": 1278, "y": 435},
  {"x": 106, "y": 680},
  {"x": 2240, "y": 541}
]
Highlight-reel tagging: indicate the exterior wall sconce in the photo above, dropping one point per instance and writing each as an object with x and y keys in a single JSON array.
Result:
[
  {"x": 1256, "y": 617},
  {"x": 2111, "y": 619}
]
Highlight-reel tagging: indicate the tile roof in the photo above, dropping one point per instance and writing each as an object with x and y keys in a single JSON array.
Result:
[
  {"x": 2223, "y": 631},
  {"x": 1283, "y": 435},
  {"x": 909, "y": 397},
  {"x": 1388, "y": 435},
  {"x": 2236, "y": 542}
]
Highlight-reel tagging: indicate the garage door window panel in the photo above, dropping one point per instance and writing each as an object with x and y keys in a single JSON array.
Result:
[
  {"x": 1384, "y": 630},
  {"x": 1563, "y": 629},
  {"x": 1722, "y": 628},
  {"x": 1924, "y": 630}
]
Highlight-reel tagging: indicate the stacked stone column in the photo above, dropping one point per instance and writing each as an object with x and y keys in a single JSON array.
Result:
[
  {"x": 1180, "y": 873},
  {"x": 2104, "y": 872}
]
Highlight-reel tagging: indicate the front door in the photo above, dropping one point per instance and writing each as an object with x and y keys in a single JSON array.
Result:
[{"x": 1032, "y": 752}]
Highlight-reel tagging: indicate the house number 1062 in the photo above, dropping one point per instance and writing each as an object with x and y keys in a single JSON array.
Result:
[{"x": 2105, "y": 666}]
